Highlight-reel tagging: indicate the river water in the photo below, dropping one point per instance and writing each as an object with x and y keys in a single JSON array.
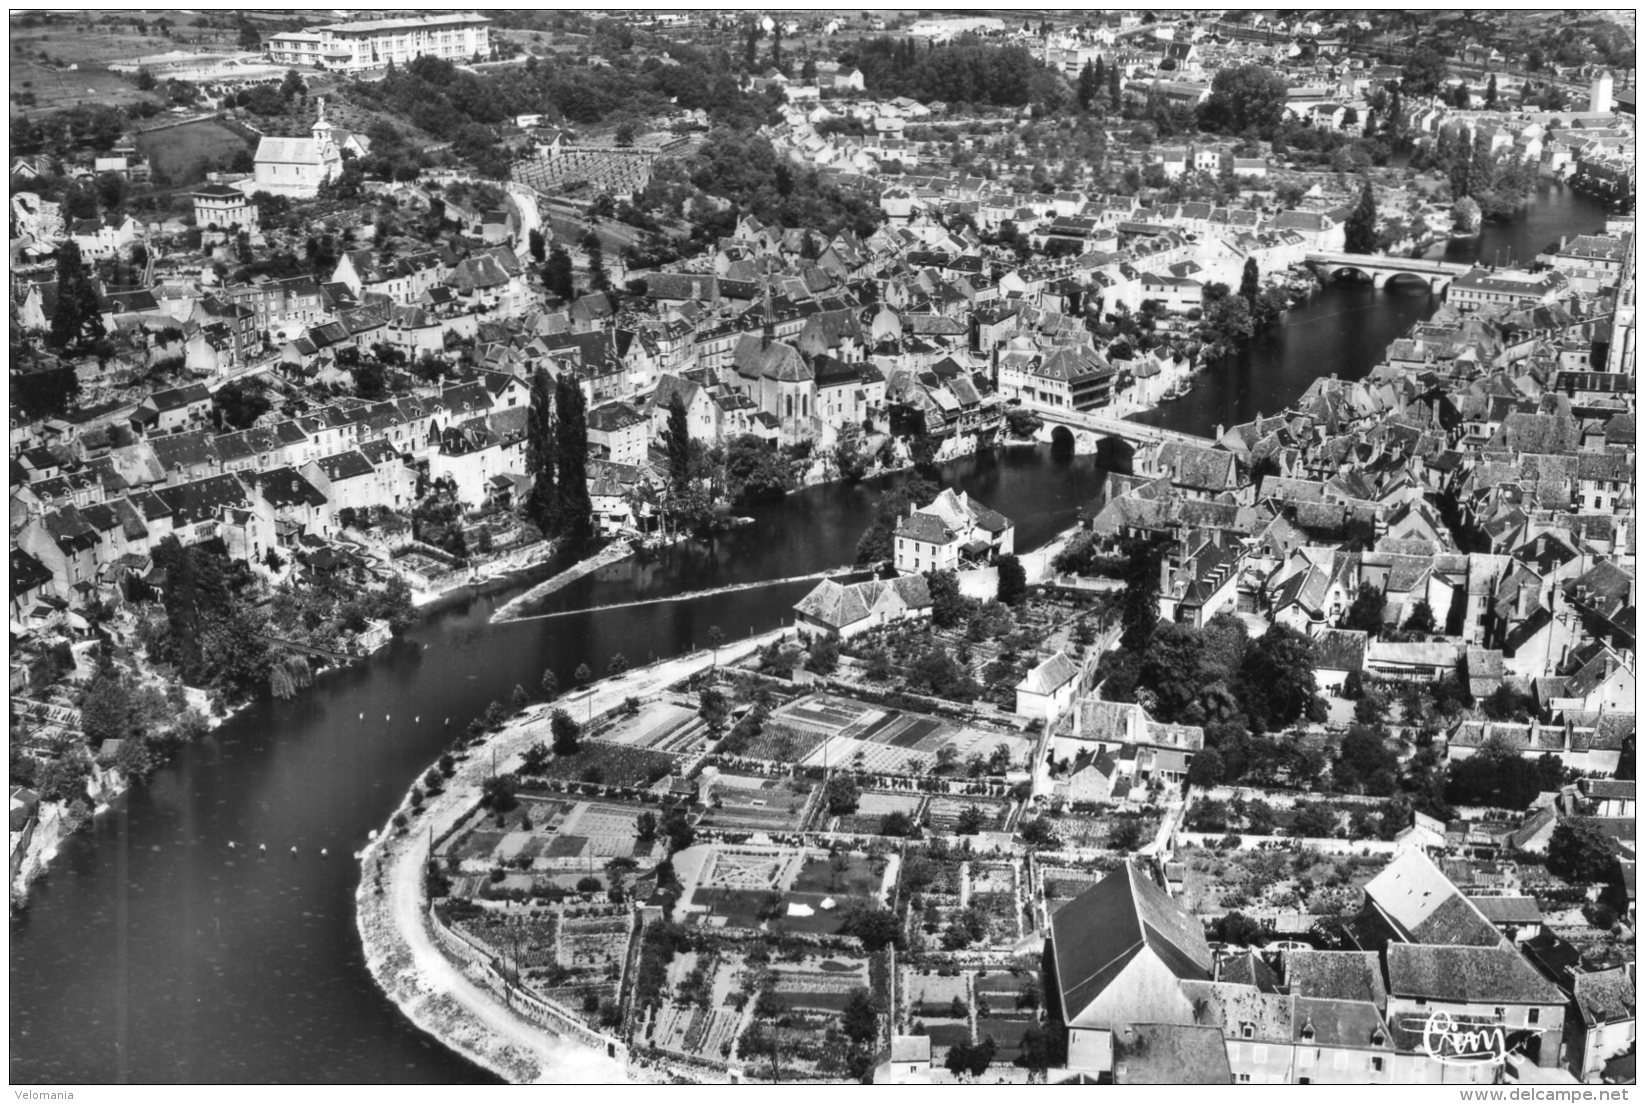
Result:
[{"x": 154, "y": 952}]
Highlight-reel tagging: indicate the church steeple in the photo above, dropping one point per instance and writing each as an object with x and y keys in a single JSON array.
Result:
[
  {"x": 769, "y": 328},
  {"x": 322, "y": 129}
]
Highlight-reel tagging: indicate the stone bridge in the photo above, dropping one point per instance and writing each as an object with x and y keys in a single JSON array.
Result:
[
  {"x": 1089, "y": 429},
  {"x": 1381, "y": 269}
]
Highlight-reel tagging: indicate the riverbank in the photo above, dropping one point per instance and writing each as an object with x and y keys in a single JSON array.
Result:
[{"x": 391, "y": 909}]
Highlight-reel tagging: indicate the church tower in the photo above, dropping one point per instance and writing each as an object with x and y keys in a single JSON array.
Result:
[
  {"x": 322, "y": 131},
  {"x": 325, "y": 145}
]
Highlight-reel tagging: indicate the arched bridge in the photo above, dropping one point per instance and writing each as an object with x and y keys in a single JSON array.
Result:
[
  {"x": 1436, "y": 274},
  {"x": 1090, "y": 427}
]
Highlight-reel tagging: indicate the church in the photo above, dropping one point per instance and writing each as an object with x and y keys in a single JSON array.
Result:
[{"x": 296, "y": 167}]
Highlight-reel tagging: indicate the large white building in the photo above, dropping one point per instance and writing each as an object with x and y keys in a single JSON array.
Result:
[{"x": 373, "y": 43}]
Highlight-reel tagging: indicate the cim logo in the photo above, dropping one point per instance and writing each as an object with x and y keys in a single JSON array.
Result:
[{"x": 1460, "y": 1043}]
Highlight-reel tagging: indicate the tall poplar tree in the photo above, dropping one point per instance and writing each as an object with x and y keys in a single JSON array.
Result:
[
  {"x": 677, "y": 443},
  {"x": 1360, "y": 233},
  {"x": 1249, "y": 285},
  {"x": 575, "y": 512},
  {"x": 541, "y": 455},
  {"x": 77, "y": 319}
]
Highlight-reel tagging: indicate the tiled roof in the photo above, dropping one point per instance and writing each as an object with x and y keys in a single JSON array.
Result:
[{"x": 1488, "y": 975}]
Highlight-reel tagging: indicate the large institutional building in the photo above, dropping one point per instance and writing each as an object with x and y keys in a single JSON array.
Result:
[{"x": 373, "y": 43}]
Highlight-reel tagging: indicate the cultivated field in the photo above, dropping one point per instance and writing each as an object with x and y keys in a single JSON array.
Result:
[{"x": 186, "y": 153}]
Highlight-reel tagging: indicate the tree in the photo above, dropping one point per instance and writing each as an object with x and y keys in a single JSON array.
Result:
[
  {"x": 896, "y": 824},
  {"x": 1206, "y": 770},
  {"x": 677, "y": 445},
  {"x": 716, "y": 638},
  {"x": 292, "y": 85},
  {"x": 105, "y": 710},
  {"x": 842, "y": 795},
  {"x": 77, "y": 320},
  {"x": 558, "y": 276},
  {"x": 535, "y": 759},
  {"x": 1421, "y": 619},
  {"x": 1089, "y": 87},
  {"x": 877, "y": 928},
  {"x": 1278, "y": 679},
  {"x": 550, "y": 684},
  {"x": 584, "y": 674},
  {"x": 1424, "y": 69},
  {"x": 1360, "y": 231},
  {"x": 860, "y": 1019},
  {"x": 825, "y": 655},
  {"x": 971, "y": 819},
  {"x": 497, "y": 793},
  {"x": 1365, "y": 614},
  {"x": 1125, "y": 835},
  {"x": 1461, "y": 97},
  {"x": 1139, "y": 610},
  {"x": 1250, "y": 285},
  {"x": 645, "y": 826},
  {"x": 595, "y": 249},
  {"x": 947, "y": 603},
  {"x": 713, "y": 708},
  {"x": 1243, "y": 98},
  {"x": 876, "y": 543},
  {"x": 1490, "y": 93},
  {"x": 1238, "y": 930},
  {"x": 537, "y": 245},
  {"x": 1363, "y": 757},
  {"x": 616, "y": 665},
  {"x": 574, "y": 513},
  {"x": 1013, "y": 581},
  {"x": 567, "y": 732},
  {"x": 1580, "y": 853}
]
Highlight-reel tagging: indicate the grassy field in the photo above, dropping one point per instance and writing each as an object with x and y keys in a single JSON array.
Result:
[
  {"x": 90, "y": 45},
  {"x": 186, "y": 153}
]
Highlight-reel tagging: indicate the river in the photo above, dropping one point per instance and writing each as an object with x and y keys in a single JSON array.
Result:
[{"x": 155, "y": 953}]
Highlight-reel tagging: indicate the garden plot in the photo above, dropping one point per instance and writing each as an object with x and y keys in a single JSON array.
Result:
[
  {"x": 1081, "y": 831},
  {"x": 932, "y": 996},
  {"x": 1007, "y": 990},
  {"x": 1007, "y": 1030},
  {"x": 877, "y": 758},
  {"x": 659, "y": 726},
  {"x": 993, "y": 878},
  {"x": 756, "y": 804},
  {"x": 909, "y": 743},
  {"x": 855, "y": 876},
  {"x": 1063, "y": 884},
  {"x": 612, "y": 831},
  {"x": 522, "y": 939},
  {"x": 875, "y": 804},
  {"x": 595, "y": 942},
  {"x": 601, "y": 762},
  {"x": 943, "y": 812},
  {"x": 820, "y": 984},
  {"x": 728, "y": 868}
]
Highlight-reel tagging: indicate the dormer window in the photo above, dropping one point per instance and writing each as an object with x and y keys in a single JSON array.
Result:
[
  {"x": 1308, "y": 1033},
  {"x": 1247, "y": 1031},
  {"x": 1378, "y": 1038}
]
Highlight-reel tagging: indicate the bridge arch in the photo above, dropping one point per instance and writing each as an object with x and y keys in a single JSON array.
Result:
[
  {"x": 1062, "y": 440},
  {"x": 1359, "y": 274},
  {"x": 1393, "y": 280}
]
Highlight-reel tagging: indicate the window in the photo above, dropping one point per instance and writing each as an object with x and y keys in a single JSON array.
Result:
[
  {"x": 1533, "y": 1016},
  {"x": 1244, "y": 1077},
  {"x": 1247, "y": 1031},
  {"x": 1376, "y": 1063},
  {"x": 1500, "y": 1012}
]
